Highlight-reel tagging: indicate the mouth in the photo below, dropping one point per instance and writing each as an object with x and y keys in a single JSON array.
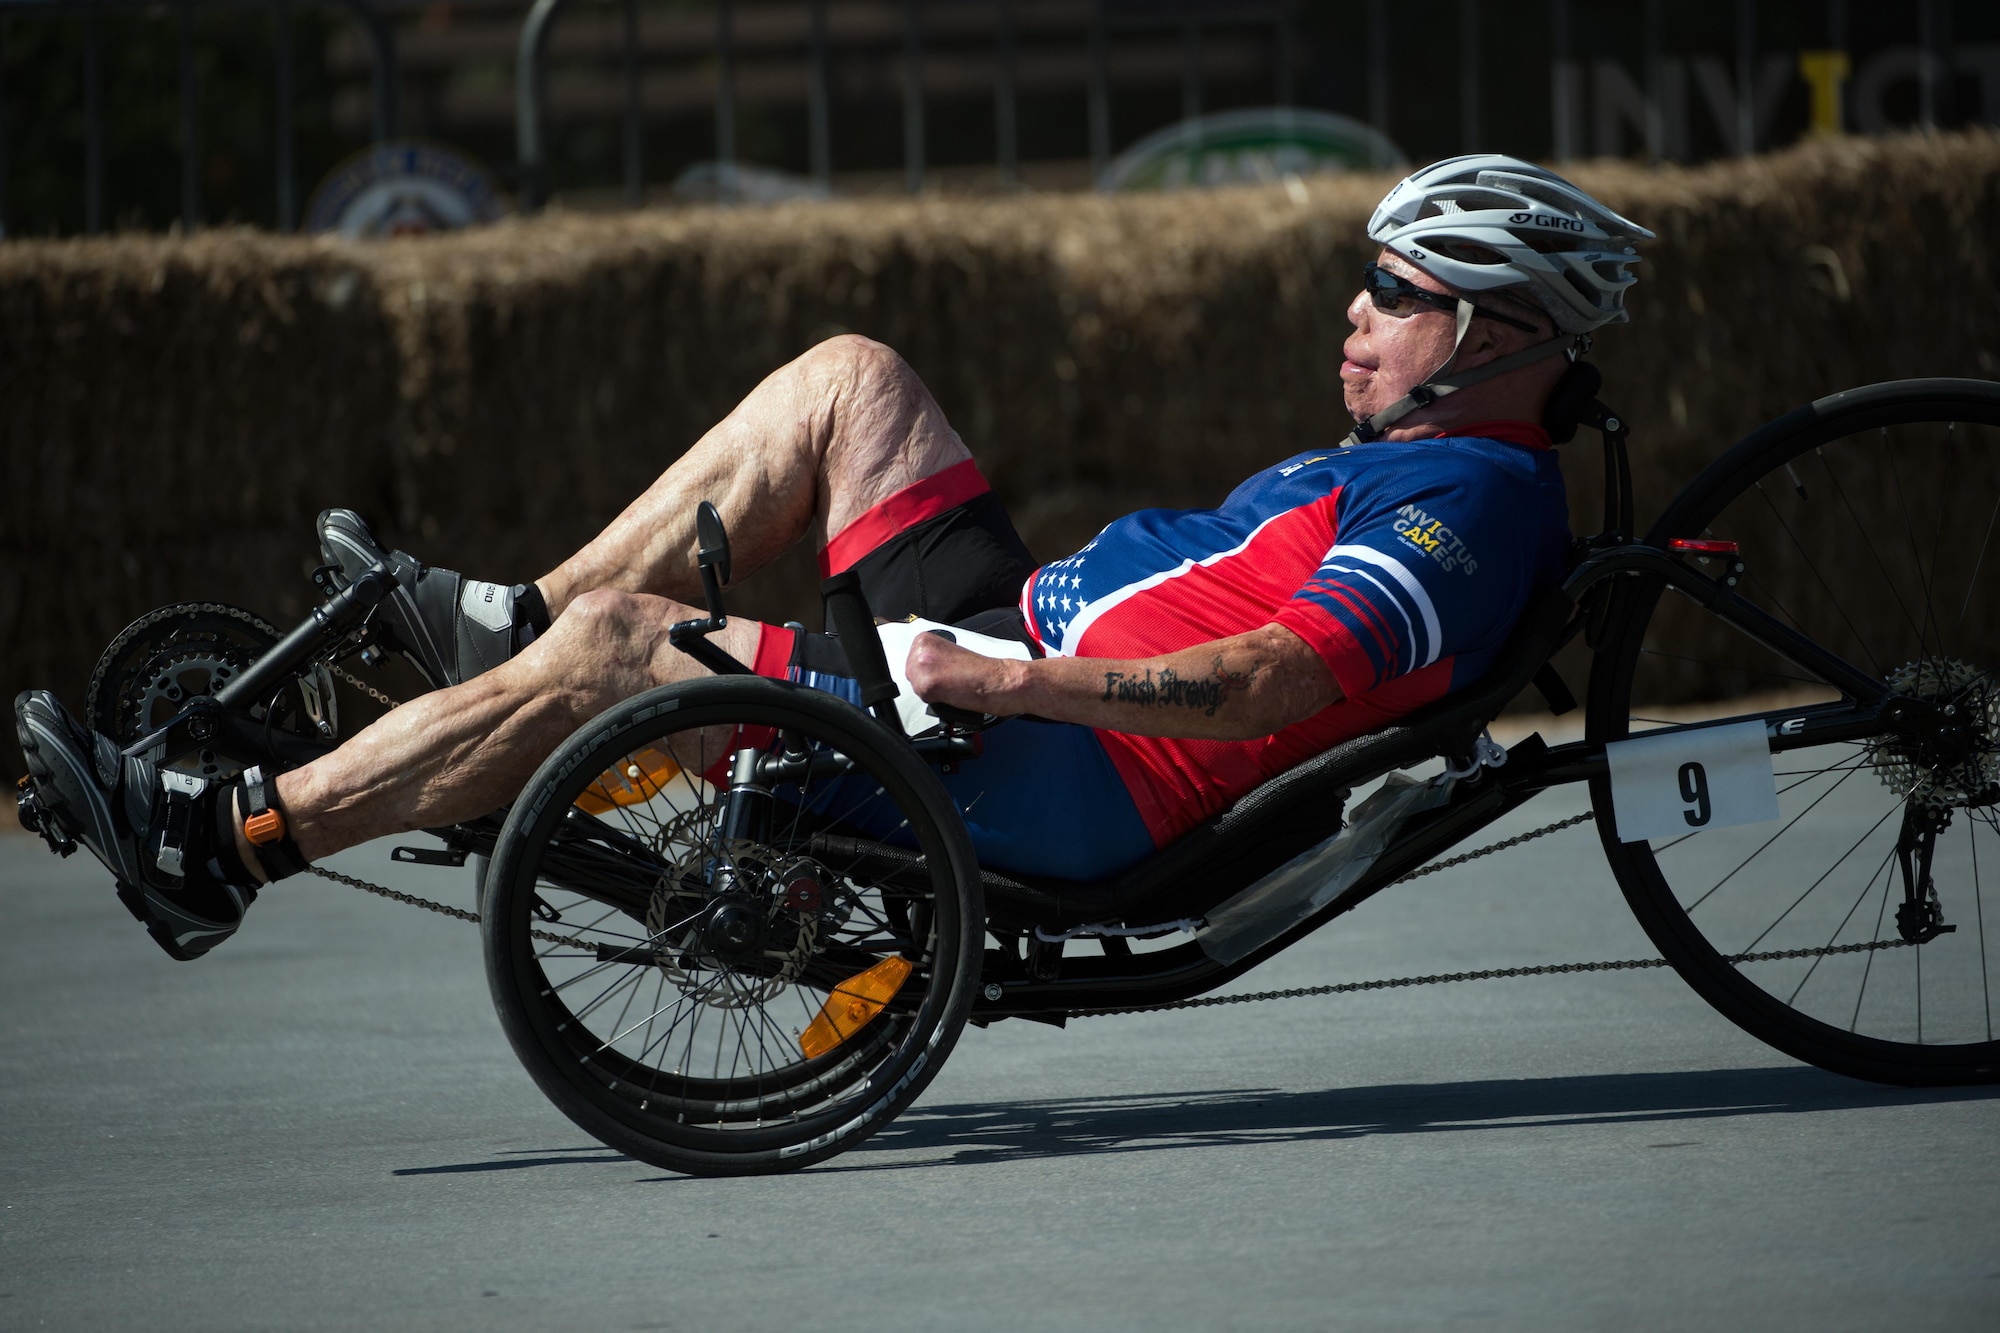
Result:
[{"x": 1351, "y": 369}]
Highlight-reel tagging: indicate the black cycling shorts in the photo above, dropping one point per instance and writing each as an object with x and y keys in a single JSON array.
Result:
[{"x": 961, "y": 565}]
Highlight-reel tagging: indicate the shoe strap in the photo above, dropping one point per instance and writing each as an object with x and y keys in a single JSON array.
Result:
[{"x": 266, "y": 828}]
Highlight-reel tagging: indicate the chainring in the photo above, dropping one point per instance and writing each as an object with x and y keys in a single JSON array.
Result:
[
  {"x": 193, "y": 649},
  {"x": 1974, "y": 696}
]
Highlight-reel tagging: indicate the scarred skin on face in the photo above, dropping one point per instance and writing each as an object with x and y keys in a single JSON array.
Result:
[{"x": 1386, "y": 357}]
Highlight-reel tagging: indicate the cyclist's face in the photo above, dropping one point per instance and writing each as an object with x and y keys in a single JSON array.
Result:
[{"x": 1387, "y": 354}]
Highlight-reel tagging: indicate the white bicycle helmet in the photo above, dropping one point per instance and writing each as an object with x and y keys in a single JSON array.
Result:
[{"x": 1486, "y": 222}]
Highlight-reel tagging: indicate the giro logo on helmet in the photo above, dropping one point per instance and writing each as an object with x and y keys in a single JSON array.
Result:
[{"x": 1545, "y": 220}]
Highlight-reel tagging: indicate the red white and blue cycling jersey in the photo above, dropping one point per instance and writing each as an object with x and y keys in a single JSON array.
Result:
[{"x": 1403, "y": 564}]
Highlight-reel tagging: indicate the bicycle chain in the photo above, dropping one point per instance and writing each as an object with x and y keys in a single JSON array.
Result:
[
  {"x": 364, "y": 686},
  {"x": 1500, "y": 846},
  {"x": 442, "y": 909},
  {"x": 1489, "y": 974}
]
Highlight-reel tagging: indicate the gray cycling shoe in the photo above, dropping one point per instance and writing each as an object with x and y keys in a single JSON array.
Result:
[
  {"x": 450, "y": 627},
  {"x": 153, "y": 831}
]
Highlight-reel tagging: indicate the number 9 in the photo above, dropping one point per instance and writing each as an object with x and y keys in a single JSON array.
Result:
[{"x": 1694, "y": 790}]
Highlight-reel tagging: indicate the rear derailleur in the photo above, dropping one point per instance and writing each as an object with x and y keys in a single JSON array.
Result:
[{"x": 1919, "y": 917}]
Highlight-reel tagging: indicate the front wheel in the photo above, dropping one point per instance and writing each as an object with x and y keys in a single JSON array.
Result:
[
  {"x": 686, "y": 950},
  {"x": 1867, "y": 521}
]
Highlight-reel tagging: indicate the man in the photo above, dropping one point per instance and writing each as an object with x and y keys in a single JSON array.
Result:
[{"x": 1181, "y": 657}]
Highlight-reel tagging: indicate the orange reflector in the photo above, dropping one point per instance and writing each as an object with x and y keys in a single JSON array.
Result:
[
  {"x": 853, "y": 1003},
  {"x": 639, "y": 777}
]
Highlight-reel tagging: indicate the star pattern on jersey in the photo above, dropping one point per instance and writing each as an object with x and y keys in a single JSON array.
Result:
[{"x": 1058, "y": 591}]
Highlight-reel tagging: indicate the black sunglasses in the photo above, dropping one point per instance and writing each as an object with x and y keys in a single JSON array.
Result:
[{"x": 1393, "y": 294}]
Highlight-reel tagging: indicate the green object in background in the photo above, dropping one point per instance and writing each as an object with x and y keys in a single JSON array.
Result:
[{"x": 1261, "y": 145}]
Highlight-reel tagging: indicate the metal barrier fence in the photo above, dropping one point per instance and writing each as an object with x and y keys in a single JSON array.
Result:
[
  {"x": 381, "y": 39},
  {"x": 1734, "y": 90},
  {"x": 1104, "y": 18}
]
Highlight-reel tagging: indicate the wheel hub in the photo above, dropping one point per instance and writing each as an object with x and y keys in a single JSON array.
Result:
[
  {"x": 1952, "y": 760},
  {"x": 732, "y": 926},
  {"x": 762, "y": 930}
]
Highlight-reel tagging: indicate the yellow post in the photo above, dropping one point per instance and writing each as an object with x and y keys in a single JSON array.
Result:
[{"x": 1824, "y": 72}]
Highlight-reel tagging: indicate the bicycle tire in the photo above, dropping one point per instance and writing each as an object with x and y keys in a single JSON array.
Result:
[
  {"x": 1807, "y": 496},
  {"x": 659, "y": 1096}
]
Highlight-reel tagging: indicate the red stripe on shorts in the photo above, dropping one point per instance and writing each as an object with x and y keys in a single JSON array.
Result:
[
  {"x": 773, "y": 659},
  {"x": 901, "y": 512},
  {"x": 774, "y": 652}
]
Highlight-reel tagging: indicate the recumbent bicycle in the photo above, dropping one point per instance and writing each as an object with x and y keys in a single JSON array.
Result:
[{"x": 706, "y": 962}]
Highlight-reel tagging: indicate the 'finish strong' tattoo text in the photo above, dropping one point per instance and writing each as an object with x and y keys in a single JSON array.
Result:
[{"x": 1167, "y": 688}]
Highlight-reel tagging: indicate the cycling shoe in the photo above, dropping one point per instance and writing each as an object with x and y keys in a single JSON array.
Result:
[
  {"x": 450, "y": 627},
  {"x": 152, "y": 830}
]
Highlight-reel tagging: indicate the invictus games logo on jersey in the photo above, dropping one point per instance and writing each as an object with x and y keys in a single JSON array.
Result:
[{"x": 1434, "y": 539}]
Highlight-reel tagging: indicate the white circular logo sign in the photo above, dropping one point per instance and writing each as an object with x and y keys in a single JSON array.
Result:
[
  {"x": 402, "y": 189},
  {"x": 1261, "y": 145}
]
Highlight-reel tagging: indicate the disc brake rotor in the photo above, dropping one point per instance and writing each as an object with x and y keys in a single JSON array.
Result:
[{"x": 677, "y": 915}]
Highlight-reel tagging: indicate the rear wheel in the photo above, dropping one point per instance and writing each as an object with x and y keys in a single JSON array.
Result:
[
  {"x": 1867, "y": 521},
  {"x": 685, "y": 951}
]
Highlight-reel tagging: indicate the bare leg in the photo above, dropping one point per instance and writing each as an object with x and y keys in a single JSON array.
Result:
[
  {"x": 828, "y": 436},
  {"x": 457, "y": 753}
]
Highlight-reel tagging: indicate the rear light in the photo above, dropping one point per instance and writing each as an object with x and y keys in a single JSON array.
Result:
[
  {"x": 853, "y": 1003},
  {"x": 1704, "y": 546}
]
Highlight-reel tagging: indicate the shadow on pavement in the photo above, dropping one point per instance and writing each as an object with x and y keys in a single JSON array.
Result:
[
  {"x": 1025, "y": 1130},
  {"x": 1029, "y": 1129},
  {"x": 520, "y": 1159}
]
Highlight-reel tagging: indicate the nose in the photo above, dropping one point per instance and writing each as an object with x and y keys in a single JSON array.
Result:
[{"x": 1358, "y": 309}]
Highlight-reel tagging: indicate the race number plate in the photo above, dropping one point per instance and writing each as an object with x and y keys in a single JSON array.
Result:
[{"x": 1680, "y": 782}]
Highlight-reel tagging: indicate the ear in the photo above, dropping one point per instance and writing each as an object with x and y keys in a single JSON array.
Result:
[{"x": 1485, "y": 339}]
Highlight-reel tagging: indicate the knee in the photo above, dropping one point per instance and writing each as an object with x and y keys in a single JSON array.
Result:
[
  {"x": 597, "y": 651},
  {"x": 858, "y": 365},
  {"x": 599, "y": 618}
]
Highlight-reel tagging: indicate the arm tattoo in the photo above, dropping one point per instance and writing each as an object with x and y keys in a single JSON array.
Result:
[{"x": 1167, "y": 688}]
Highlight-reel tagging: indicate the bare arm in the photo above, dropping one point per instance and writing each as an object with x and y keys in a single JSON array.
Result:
[{"x": 1239, "y": 688}]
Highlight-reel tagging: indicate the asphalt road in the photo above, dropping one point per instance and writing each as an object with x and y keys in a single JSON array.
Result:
[{"x": 321, "y": 1126}]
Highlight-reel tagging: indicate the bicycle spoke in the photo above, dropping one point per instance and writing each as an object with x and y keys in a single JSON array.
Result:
[
  {"x": 1868, "y": 967},
  {"x": 1874, "y": 554},
  {"x": 1767, "y": 842},
  {"x": 1813, "y": 566},
  {"x": 1979, "y": 562},
  {"x": 1940, "y": 523},
  {"x": 1910, "y": 529},
  {"x": 1859, "y": 898},
  {"x": 1842, "y": 860}
]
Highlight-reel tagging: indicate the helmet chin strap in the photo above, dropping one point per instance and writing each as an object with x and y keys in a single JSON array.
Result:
[{"x": 1436, "y": 385}]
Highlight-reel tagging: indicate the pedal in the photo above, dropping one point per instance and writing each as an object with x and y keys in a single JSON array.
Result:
[
  {"x": 428, "y": 856},
  {"x": 28, "y": 809},
  {"x": 323, "y": 580}
]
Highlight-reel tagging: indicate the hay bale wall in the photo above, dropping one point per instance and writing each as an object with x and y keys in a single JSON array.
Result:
[{"x": 177, "y": 410}]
